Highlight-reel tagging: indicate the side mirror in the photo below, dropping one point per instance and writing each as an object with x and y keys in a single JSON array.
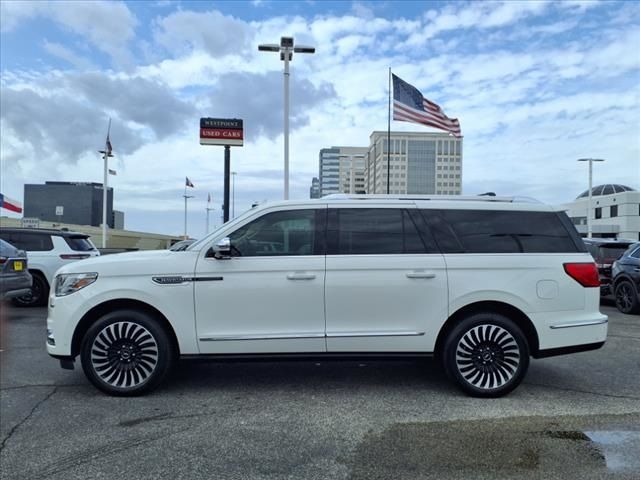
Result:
[{"x": 222, "y": 248}]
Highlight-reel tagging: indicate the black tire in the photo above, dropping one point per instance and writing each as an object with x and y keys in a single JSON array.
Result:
[
  {"x": 127, "y": 353},
  {"x": 486, "y": 354},
  {"x": 38, "y": 295},
  {"x": 627, "y": 297}
]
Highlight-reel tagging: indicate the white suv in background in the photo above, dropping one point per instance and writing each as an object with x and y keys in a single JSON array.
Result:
[
  {"x": 482, "y": 283},
  {"x": 47, "y": 250}
]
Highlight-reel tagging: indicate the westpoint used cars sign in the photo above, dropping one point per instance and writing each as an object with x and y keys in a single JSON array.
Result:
[{"x": 221, "y": 131}]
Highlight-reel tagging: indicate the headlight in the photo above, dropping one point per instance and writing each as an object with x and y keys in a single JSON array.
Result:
[{"x": 72, "y": 282}]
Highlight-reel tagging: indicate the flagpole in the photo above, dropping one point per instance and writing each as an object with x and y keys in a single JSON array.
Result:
[
  {"x": 208, "y": 209},
  {"x": 389, "y": 137},
  {"x": 185, "y": 210},
  {"x": 105, "y": 186}
]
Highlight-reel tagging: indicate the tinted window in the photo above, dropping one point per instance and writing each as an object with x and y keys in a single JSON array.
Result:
[
  {"x": 79, "y": 244},
  {"x": 291, "y": 232},
  {"x": 486, "y": 231},
  {"x": 367, "y": 231},
  {"x": 32, "y": 242}
]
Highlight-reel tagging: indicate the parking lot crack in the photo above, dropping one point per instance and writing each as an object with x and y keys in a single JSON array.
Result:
[
  {"x": 27, "y": 417},
  {"x": 576, "y": 390}
]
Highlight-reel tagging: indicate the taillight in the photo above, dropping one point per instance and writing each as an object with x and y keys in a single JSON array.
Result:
[
  {"x": 2, "y": 260},
  {"x": 74, "y": 256},
  {"x": 586, "y": 274}
]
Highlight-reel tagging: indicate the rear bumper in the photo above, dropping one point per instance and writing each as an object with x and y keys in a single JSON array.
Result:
[
  {"x": 15, "y": 285},
  {"x": 553, "y": 352}
]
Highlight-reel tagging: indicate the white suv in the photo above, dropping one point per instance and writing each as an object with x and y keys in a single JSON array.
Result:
[
  {"x": 48, "y": 250},
  {"x": 481, "y": 283}
]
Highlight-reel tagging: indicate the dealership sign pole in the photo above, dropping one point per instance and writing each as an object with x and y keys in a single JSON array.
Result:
[{"x": 226, "y": 132}]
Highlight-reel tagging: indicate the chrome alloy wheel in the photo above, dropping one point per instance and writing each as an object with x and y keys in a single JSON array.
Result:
[
  {"x": 124, "y": 354},
  {"x": 487, "y": 356}
]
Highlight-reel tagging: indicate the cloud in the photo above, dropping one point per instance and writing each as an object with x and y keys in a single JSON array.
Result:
[
  {"x": 63, "y": 116},
  {"x": 258, "y": 100},
  {"x": 66, "y": 54},
  {"x": 108, "y": 25},
  {"x": 184, "y": 31}
]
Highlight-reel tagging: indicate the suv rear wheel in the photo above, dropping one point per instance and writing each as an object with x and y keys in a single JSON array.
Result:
[
  {"x": 38, "y": 295},
  {"x": 126, "y": 353},
  {"x": 486, "y": 354},
  {"x": 626, "y": 297}
]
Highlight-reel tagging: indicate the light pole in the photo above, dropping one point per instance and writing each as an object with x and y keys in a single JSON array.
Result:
[
  {"x": 233, "y": 194},
  {"x": 286, "y": 49},
  {"x": 590, "y": 160}
]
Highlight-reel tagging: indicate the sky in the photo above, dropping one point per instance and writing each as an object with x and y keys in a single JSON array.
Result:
[{"x": 535, "y": 84}]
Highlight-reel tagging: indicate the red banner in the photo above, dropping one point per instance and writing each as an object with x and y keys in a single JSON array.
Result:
[{"x": 222, "y": 133}]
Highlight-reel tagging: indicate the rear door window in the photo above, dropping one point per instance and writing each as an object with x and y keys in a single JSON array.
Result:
[
  {"x": 31, "y": 242},
  {"x": 496, "y": 231},
  {"x": 371, "y": 231}
]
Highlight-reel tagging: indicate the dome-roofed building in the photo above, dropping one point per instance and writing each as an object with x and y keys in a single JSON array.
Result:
[
  {"x": 606, "y": 189},
  {"x": 615, "y": 212}
]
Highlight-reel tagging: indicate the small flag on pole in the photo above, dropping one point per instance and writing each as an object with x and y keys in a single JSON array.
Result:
[
  {"x": 10, "y": 204},
  {"x": 208, "y": 198},
  {"x": 112, "y": 172},
  {"x": 109, "y": 149},
  {"x": 187, "y": 182},
  {"x": 410, "y": 106}
]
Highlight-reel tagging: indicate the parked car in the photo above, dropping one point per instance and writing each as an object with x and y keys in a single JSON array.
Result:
[
  {"x": 626, "y": 280},
  {"x": 182, "y": 245},
  {"x": 480, "y": 283},
  {"x": 15, "y": 279},
  {"x": 605, "y": 251},
  {"x": 47, "y": 251}
]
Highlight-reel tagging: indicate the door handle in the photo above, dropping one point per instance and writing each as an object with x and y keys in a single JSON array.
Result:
[
  {"x": 420, "y": 275},
  {"x": 301, "y": 276}
]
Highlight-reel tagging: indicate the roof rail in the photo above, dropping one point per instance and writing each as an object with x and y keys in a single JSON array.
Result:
[{"x": 408, "y": 197}]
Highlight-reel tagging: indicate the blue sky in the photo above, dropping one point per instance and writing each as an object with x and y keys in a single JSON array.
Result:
[{"x": 535, "y": 85}]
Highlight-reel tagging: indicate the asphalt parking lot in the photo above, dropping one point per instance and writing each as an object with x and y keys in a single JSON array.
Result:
[{"x": 575, "y": 416}]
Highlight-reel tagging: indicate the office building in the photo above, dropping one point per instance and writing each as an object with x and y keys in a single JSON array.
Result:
[
  {"x": 314, "y": 190},
  {"x": 342, "y": 170},
  {"x": 420, "y": 163},
  {"x": 79, "y": 203},
  {"x": 615, "y": 212}
]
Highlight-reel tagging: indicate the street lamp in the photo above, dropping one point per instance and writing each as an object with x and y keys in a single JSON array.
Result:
[
  {"x": 590, "y": 160},
  {"x": 233, "y": 194},
  {"x": 286, "y": 50}
]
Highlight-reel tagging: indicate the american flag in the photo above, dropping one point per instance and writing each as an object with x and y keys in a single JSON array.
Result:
[{"x": 410, "y": 106}]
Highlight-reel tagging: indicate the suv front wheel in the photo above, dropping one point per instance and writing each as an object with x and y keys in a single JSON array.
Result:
[
  {"x": 486, "y": 354},
  {"x": 126, "y": 353}
]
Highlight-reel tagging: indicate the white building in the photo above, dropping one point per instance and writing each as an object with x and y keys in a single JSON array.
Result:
[
  {"x": 342, "y": 170},
  {"x": 615, "y": 212},
  {"x": 420, "y": 163}
]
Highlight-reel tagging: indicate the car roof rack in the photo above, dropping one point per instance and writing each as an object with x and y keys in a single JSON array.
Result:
[{"x": 455, "y": 198}]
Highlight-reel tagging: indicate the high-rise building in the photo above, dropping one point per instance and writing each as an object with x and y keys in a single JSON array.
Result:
[
  {"x": 342, "y": 170},
  {"x": 81, "y": 203},
  {"x": 419, "y": 163},
  {"x": 314, "y": 191}
]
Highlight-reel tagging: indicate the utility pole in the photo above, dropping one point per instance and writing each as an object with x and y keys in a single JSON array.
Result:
[{"x": 590, "y": 160}]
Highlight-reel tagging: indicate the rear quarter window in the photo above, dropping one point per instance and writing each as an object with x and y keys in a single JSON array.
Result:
[
  {"x": 79, "y": 244},
  {"x": 500, "y": 231}
]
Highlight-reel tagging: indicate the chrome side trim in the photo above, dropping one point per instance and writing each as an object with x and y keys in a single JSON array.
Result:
[
  {"x": 579, "y": 324},
  {"x": 374, "y": 334},
  {"x": 286, "y": 336},
  {"x": 275, "y": 336}
]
